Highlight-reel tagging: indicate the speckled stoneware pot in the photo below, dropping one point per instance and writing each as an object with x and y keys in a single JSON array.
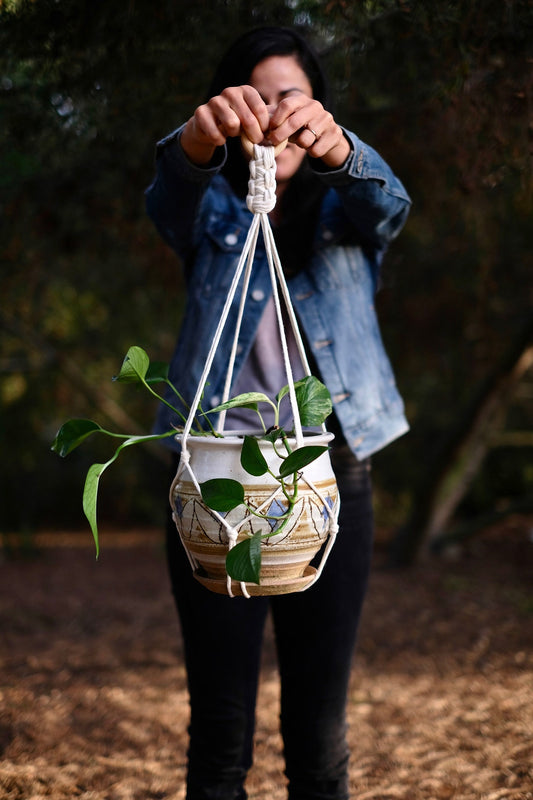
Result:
[{"x": 285, "y": 558}]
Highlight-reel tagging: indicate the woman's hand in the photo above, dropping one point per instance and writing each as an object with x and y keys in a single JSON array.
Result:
[
  {"x": 240, "y": 109},
  {"x": 306, "y": 123},
  {"x": 237, "y": 110}
]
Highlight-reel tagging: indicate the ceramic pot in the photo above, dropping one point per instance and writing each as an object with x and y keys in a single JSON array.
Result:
[{"x": 285, "y": 558}]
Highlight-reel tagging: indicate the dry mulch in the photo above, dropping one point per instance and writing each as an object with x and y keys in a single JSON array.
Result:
[{"x": 93, "y": 702}]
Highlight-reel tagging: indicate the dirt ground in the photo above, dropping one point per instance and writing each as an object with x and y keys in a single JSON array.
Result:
[{"x": 93, "y": 702}]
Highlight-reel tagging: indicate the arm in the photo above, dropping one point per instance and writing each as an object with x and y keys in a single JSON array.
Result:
[
  {"x": 188, "y": 159},
  {"x": 241, "y": 110},
  {"x": 174, "y": 196},
  {"x": 373, "y": 198}
]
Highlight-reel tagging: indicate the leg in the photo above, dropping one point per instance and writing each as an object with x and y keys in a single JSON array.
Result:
[
  {"x": 222, "y": 638},
  {"x": 316, "y": 632}
]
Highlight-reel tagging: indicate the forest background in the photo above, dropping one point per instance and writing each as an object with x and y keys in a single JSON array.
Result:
[{"x": 443, "y": 90}]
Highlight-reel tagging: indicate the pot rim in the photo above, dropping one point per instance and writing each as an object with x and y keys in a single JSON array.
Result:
[{"x": 237, "y": 436}]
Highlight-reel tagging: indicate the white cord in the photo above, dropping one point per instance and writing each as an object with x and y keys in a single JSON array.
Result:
[{"x": 261, "y": 200}]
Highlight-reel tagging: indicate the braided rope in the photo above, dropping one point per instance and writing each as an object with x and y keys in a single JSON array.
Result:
[{"x": 261, "y": 197}]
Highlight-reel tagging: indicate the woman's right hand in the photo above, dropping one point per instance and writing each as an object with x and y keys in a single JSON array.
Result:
[{"x": 237, "y": 110}]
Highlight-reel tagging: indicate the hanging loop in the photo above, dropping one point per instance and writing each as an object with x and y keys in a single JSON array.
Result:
[
  {"x": 261, "y": 197},
  {"x": 249, "y": 146}
]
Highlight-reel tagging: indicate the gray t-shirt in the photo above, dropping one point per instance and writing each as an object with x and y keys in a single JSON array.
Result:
[{"x": 264, "y": 371}]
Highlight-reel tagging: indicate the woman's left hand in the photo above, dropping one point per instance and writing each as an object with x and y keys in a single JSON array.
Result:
[{"x": 306, "y": 123}]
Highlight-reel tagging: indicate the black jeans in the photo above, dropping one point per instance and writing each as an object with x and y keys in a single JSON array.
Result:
[{"x": 315, "y": 635}]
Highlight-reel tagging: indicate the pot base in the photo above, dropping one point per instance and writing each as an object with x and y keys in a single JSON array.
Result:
[{"x": 268, "y": 586}]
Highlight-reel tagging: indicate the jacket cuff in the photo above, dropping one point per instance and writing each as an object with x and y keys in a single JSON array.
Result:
[
  {"x": 331, "y": 175},
  {"x": 171, "y": 150},
  {"x": 363, "y": 164}
]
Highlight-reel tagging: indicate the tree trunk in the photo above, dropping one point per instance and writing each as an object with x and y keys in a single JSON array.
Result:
[{"x": 447, "y": 484}]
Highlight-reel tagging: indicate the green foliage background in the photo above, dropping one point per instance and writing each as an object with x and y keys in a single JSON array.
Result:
[{"x": 443, "y": 90}]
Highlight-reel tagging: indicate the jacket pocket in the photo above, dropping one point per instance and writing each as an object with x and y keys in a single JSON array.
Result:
[{"x": 217, "y": 257}]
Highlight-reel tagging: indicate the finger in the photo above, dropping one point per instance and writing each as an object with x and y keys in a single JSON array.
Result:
[
  {"x": 207, "y": 127},
  {"x": 281, "y": 117},
  {"x": 258, "y": 108},
  {"x": 306, "y": 123},
  {"x": 313, "y": 136},
  {"x": 324, "y": 145},
  {"x": 241, "y": 110},
  {"x": 308, "y": 136}
]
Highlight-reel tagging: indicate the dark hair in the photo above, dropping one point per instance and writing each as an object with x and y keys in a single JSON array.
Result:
[
  {"x": 249, "y": 50},
  {"x": 302, "y": 199}
]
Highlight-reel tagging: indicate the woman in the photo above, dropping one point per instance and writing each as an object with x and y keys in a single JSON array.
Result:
[{"x": 338, "y": 207}]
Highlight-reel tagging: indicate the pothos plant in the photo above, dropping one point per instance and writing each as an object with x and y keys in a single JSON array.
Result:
[{"x": 243, "y": 561}]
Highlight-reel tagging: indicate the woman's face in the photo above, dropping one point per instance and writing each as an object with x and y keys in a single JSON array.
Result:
[{"x": 274, "y": 78}]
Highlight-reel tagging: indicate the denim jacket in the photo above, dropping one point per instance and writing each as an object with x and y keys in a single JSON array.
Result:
[{"x": 364, "y": 208}]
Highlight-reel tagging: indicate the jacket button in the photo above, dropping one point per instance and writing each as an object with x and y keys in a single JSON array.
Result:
[
  {"x": 231, "y": 239},
  {"x": 258, "y": 295}
]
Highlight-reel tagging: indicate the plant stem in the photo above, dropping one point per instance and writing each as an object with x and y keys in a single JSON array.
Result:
[
  {"x": 185, "y": 404},
  {"x": 267, "y": 516}
]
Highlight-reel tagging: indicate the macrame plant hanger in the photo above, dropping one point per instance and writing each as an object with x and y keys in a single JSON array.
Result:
[{"x": 260, "y": 200}]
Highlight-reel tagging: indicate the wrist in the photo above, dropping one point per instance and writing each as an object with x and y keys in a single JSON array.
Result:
[
  {"x": 337, "y": 156},
  {"x": 198, "y": 152}
]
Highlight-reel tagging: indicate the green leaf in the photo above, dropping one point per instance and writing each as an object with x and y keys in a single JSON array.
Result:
[
  {"x": 157, "y": 372},
  {"x": 246, "y": 400},
  {"x": 222, "y": 494},
  {"x": 273, "y": 435},
  {"x": 243, "y": 562},
  {"x": 282, "y": 392},
  {"x": 300, "y": 458},
  {"x": 252, "y": 459},
  {"x": 90, "y": 497},
  {"x": 94, "y": 473},
  {"x": 312, "y": 398},
  {"x": 72, "y": 434},
  {"x": 314, "y": 401},
  {"x": 134, "y": 367}
]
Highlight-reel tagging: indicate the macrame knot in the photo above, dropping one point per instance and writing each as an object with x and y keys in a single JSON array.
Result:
[{"x": 261, "y": 197}]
